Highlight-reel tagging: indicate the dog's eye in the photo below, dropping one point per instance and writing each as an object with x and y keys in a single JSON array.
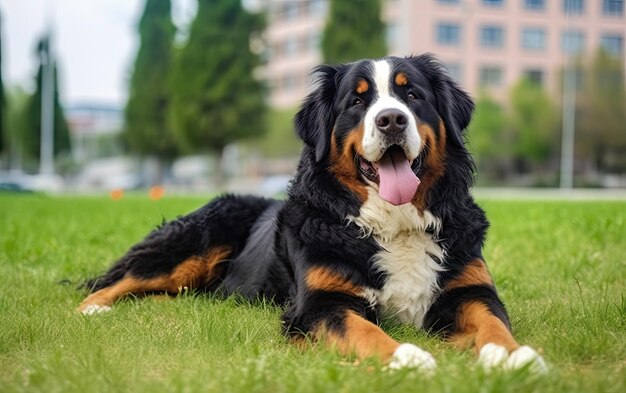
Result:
[
  {"x": 412, "y": 96},
  {"x": 357, "y": 101}
]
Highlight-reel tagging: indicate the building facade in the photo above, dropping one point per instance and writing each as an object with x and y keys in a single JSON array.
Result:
[{"x": 486, "y": 44}]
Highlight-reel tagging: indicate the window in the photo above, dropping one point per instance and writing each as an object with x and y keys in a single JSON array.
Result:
[
  {"x": 274, "y": 84},
  {"x": 573, "y": 6},
  {"x": 319, "y": 8},
  {"x": 448, "y": 33},
  {"x": 613, "y": 7},
  {"x": 490, "y": 76},
  {"x": 291, "y": 47},
  {"x": 534, "y": 4},
  {"x": 493, "y": 3},
  {"x": 314, "y": 42},
  {"x": 572, "y": 42},
  {"x": 613, "y": 44},
  {"x": 534, "y": 76},
  {"x": 291, "y": 10},
  {"x": 289, "y": 82},
  {"x": 491, "y": 36},
  {"x": 277, "y": 50},
  {"x": 454, "y": 70},
  {"x": 392, "y": 35},
  {"x": 533, "y": 38}
]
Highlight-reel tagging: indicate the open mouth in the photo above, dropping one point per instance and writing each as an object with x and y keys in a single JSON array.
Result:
[{"x": 395, "y": 175}]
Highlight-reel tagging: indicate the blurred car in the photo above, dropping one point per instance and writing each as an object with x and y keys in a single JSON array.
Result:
[
  {"x": 22, "y": 182},
  {"x": 275, "y": 185}
]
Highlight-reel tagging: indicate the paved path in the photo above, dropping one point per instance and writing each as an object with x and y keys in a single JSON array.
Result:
[{"x": 578, "y": 194}]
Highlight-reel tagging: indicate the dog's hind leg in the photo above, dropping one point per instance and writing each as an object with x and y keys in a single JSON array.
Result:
[
  {"x": 193, "y": 272},
  {"x": 186, "y": 252}
]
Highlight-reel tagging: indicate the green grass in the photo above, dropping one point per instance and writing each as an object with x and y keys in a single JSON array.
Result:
[{"x": 559, "y": 266}]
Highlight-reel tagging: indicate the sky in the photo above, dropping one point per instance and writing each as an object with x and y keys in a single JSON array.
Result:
[{"x": 95, "y": 42}]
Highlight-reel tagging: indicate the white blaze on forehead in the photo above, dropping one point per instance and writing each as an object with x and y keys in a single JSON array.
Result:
[
  {"x": 382, "y": 77},
  {"x": 373, "y": 140}
]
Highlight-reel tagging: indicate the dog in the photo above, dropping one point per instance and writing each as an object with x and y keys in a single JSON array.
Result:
[{"x": 378, "y": 222}]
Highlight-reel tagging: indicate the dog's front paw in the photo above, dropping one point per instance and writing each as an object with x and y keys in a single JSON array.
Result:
[
  {"x": 526, "y": 356},
  {"x": 494, "y": 356},
  {"x": 411, "y": 356}
]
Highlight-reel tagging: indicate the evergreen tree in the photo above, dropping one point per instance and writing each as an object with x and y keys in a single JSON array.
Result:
[
  {"x": 354, "y": 30},
  {"x": 3, "y": 136},
  {"x": 146, "y": 126},
  {"x": 216, "y": 97},
  {"x": 17, "y": 99},
  {"x": 31, "y": 139},
  {"x": 601, "y": 116}
]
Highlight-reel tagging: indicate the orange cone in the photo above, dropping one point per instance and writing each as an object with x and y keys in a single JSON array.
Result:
[
  {"x": 117, "y": 194},
  {"x": 156, "y": 192}
]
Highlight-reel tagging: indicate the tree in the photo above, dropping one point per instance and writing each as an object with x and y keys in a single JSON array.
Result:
[
  {"x": 31, "y": 137},
  {"x": 216, "y": 99},
  {"x": 354, "y": 30},
  {"x": 488, "y": 139},
  {"x": 146, "y": 130},
  {"x": 17, "y": 100},
  {"x": 601, "y": 115},
  {"x": 533, "y": 120},
  {"x": 3, "y": 136}
]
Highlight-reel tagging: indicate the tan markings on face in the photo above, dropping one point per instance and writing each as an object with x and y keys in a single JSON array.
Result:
[
  {"x": 192, "y": 272},
  {"x": 474, "y": 273},
  {"x": 401, "y": 79},
  {"x": 362, "y": 86},
  {"x": 324, "y": 279},
  {"x": 478, "y": 326},
  {"x": 434, "y": 161},
  {"x": 343, "y": 163},
  {"x": 359, "y": 337}
]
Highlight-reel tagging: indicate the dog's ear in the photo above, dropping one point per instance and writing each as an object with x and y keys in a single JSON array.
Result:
[
  {"x": 453, "y": 104},
  {"x": 315, "y": 120}
]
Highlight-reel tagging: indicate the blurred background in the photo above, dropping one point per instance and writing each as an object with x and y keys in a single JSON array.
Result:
[{"x": 199, "y": 95}]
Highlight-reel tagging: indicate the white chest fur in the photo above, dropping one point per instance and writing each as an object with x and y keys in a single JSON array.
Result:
[{"x": 409, "y": 257}]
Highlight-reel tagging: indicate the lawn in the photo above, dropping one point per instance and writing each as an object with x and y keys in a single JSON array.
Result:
[{"x": 560, "y": 267}]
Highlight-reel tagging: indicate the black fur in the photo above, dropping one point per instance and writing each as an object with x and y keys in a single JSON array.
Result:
[
  {"x": 441, "y": 319},
  {"x": 225, "y": 221},
  {"x": 275, "y": 243}
]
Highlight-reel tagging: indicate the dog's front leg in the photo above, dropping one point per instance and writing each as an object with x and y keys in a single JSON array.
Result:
[
  {"x": 469, "y": 312},
  {"x": 332, "y": 310}
]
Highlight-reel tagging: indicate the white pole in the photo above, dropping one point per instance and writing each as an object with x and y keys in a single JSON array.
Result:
[
  {"x": 46, "y": 162},
  {"x": 569, "y": 114},
  {"x": 567, "y": 137}
]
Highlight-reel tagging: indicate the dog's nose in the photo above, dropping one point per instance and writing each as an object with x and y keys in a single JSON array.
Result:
[{"x": 391, "y": 121}]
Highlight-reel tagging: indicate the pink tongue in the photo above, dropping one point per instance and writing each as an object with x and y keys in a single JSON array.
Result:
[{"x": 398, "y": 183}]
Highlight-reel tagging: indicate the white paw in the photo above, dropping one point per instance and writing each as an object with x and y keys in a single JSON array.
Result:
[
  {"x": 526, "y": 356},
  {"x": 410, "y": 356},
  {"x": 95, "y": 309},
  {"x": 493, "y": 356}
]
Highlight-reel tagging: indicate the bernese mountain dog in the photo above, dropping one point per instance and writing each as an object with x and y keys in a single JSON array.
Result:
[{"x": 379, "y": 222}]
